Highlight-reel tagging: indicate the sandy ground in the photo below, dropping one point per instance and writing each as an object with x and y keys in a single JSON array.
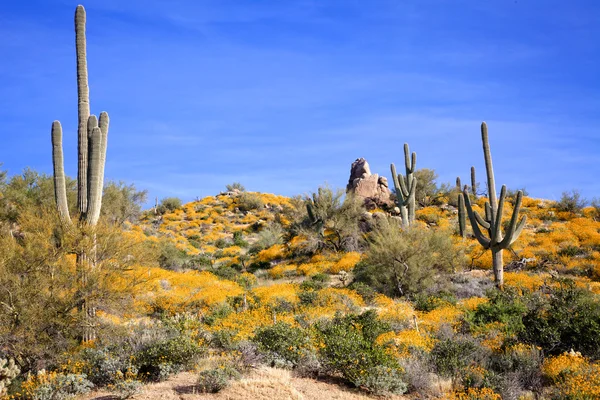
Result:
[{"x": 262, "y": 384}]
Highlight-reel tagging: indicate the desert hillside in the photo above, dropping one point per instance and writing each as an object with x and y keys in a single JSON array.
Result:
[{"x": 398, "y": 286}]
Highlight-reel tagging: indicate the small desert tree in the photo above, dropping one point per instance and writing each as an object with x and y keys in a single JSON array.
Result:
[
  {"x": 332, "y": 220},
  {"x": 406, "y": 260}
]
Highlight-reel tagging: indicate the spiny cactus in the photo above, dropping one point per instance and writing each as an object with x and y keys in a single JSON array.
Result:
[
  {"x": 406, "y": 187},
  {"x": 8, "y": 371},
  {"x": 462, "y": 219},
  {"x": 473, "y": 182},
  {"x": 492, "y": 222},
  {"x": 92, "y": 140}
]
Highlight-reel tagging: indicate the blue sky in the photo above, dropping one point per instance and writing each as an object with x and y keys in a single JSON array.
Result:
[{"x": 282, "y": 96}]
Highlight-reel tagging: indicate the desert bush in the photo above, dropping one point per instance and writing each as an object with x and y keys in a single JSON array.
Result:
[
  {"x": 100, "y": 365},
  {"x": 418, "y": 374},
  {"x": 267, "y": 237},
  {"x": 216, "y": 379},
  {"x": 429, "y": 302},
  {"x": 248, "y": 201},
  {"x": 238, "y": 239},
  {"x": 168, "y": 204},
  {"x": 571, "y": 202},
  {"x": 170, "y": 257},
  {"x": 405, "y": 261},
  {"x": 333, "y": 223},
  {"x": 566, "y": 318},
  {"x": 382, "y": 380},
  {"x": 235, "y": 186},
  {"x": 156, "y": 361},
  {"x": 246, "y": 356},
  {"x": 518, "y": 369},
  {"x": 454, "y": 352},
  {"x": 427, "y": 191},
  {"x": 55, "y": 386},
  {"x": 346, "y": 339},
  {"x": 282, "y": 343},
  {"x": 122, "y": 203},
  {"x": 365, "y": 291},
  {"x": 126, "y": 388},
  {"x": 504, "y": 306}
]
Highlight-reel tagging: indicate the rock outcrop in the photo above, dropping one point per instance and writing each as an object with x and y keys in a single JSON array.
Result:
[{"x": 372, "y": 188}]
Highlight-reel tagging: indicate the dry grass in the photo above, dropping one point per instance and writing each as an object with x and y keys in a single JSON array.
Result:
[{"x": 263, "y": 384}]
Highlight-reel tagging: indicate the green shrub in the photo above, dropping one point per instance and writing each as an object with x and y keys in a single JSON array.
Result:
[
  {"x": 64, "y": 387},
  {"x": 216, "y": 379},
  {"x": 405, "y": 261},
  {"x": 504, "y": 306},
  {"x": 168, "y": 204},
  {"x": 249, "y": 201},
  {"x": 126, "y": 388},
  {"x": 425, "y": 302},
  {"x": 238, "y": 239},
  {"x": 216, "y": 313},
  {"x": 571, "y": 202},
  {"x": 566, "y": 318},
  {"x": 382, "y": 380},
  {"x": 348, "y": 345},
  {"x": 158, "y": 360},
  {"x": 282, "y": 342},
  {"x": 101, "y": 366},
  {"x": 364, "y": 290},
  {"x": 453, "y": 353},
  {"x": 171, "y": 257},
  {"x": 517, "y": 369},
  {"x": 235, "y": 186}
]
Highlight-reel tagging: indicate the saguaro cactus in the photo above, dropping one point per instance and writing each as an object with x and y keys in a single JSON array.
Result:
[
  {"x": 92, "y": 140},
  {"x": 406, "y": 187},
  {"x": 495, "y": 241}
]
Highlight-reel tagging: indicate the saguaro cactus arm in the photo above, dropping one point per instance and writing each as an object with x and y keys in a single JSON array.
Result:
[
  {"x": 410, "y": 161},
  {"x": 514, "y": 229},
  {"x": 462, "y": 222},
  {"x": 94, "y": 195},
  {"x": 60, "y": 189},
  {"x": 473, "y": 182},
  {"x": 484, "y": 241},
  {"x": 401, "y": 195},
  {"x": 489, "y": 169}
]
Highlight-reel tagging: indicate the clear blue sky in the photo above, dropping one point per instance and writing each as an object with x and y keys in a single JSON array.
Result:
[{"x": 284, "y": 95}]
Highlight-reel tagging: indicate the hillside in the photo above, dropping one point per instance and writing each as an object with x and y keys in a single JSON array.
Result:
[{"x": 237, "y": 263}]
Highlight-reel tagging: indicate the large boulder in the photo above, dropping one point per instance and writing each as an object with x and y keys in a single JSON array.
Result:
[{"x": 374, "y": 189}]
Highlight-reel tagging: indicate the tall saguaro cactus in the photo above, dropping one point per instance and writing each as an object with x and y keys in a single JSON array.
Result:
[
  {"x": 494, "y": 241},
  {"x": 406, "y": 187},
  {"x": 92, "y": 141}
]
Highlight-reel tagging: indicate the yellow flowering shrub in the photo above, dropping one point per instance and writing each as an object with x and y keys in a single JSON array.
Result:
[
  {"x": 345, "y": 263},
  {"x": 272, "y": 294},
  {"x": 403, "y": 343},
  {"x": 277, "y": 251},
  {"x": 442, "y": 315},
  {"x": 282, "y": 270},
  {"x": 393, "y": 311},
  {"x": 340, "y": 298},
  {"x": 474, "y": 394},
  {"x": 574, "y": 376},
  {"x": 524, "y": 280}
]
